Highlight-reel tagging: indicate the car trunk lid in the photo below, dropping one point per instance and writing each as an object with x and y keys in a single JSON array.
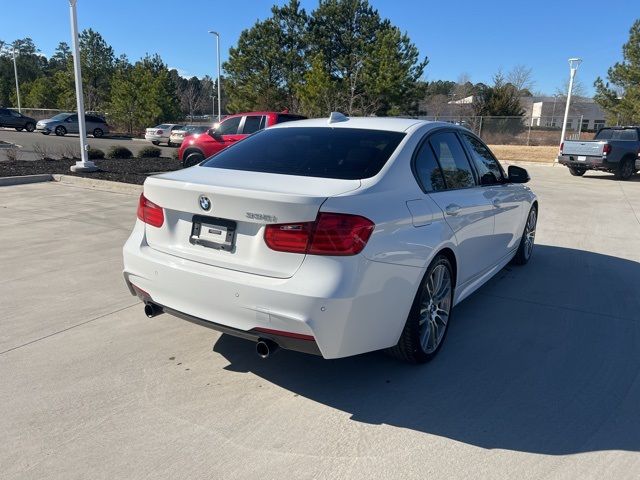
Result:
[{"x": 230, "y": 233}]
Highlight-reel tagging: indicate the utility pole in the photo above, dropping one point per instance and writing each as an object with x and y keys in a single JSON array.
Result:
[{"x": 84, "y": 164}]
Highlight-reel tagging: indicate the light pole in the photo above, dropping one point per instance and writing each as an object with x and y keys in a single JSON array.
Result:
[
  {"x": 573, "y": 68},
  {"x": 84, "y": 165},
  {"x": 219, "y": 86},
  {"x": 15, "y": 70}
]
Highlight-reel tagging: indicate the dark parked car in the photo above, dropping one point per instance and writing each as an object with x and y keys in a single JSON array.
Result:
[{"x": 12, "y": 119}]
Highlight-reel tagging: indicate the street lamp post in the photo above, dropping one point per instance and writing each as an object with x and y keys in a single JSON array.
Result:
[
  {"x": 84, "y": 164},
  {"x": 219, "y": 86},
  {"x": 15, "y": 71},
  {"x": 573, "y": 68}
]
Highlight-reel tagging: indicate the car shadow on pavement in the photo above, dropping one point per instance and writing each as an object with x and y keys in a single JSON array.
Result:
[{"x": 544, "y": 358}]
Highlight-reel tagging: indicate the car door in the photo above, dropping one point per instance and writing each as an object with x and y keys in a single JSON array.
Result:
[
  {"x": 71, "y": 124},
  {"x": 5, "y": 118},
  {"x": 228, "y": 132},
  {"x": 507, "y": 198},
  {"x": 16, "y": 119},
  {"x": 447, "y": 177}
]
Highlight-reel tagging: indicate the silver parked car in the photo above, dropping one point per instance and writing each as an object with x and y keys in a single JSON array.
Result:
[{"x": 64, "y": 123}]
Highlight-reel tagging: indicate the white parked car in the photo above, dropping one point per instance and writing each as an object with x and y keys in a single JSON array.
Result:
[
  {"x": 334, "y": 237},
  {"x": 178, "y": 135},
  {"x": 161, "y": 133}
]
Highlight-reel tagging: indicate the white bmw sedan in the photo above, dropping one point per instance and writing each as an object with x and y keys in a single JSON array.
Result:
[{"x": 334, "y": 237}]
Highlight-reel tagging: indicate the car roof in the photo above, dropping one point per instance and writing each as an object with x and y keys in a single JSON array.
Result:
[{"x": 390, "y": 124}]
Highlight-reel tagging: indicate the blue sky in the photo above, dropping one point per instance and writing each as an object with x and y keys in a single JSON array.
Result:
[{"x": 473, "y": 37}]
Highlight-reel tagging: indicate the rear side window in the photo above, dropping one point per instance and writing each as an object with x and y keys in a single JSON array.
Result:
[
  {"x": 427, "y": 169},
  {"x": 487, "y": 166},
  {"x": 452, "y": 159},
  {"x": 617, "y": 134},
  {"x": 230, "y": 126},
  {"x": 286, "y": 117},
  {"x": 252, "y": 124},
  {"x": 342, "y": 153}
]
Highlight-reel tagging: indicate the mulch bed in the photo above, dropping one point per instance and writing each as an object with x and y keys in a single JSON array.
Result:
[{"x": 133, "y": 170}]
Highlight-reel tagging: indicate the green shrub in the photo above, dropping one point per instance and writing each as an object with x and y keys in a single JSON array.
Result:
[
  {"x": 149, "y": 152},
  {"x": 95, "y": 153},
  {"x": 118, "y": 152}
]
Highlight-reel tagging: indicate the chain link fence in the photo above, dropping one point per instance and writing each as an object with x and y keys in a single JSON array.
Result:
[{"x": 524, "y": 130}]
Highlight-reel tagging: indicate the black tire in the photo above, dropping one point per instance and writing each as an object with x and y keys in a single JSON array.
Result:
[
  {"x": 192, "y": 159},
  {"x": 577, "y": 172},
  {"x": 30, "y": 127},
  {"x": 525, "y": 249},
  {"x": 625, "y": 170},
  {"x": 46, "y": 133},
  {"x": 155, "y": 142},
  {"x": 60, "y": 131},
  {"x": 97, "y": 133},
  {"x": 411, "y": 347},
  {"x": 169, "y": 144},
  {"x": 19, "y": 129}
]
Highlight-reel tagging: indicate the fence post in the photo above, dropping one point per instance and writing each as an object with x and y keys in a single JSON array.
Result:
[
  {"x": 530, "y": 125},
  {"x": 480, "y": 128}
]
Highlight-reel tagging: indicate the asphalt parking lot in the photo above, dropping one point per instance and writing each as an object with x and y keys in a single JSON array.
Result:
[
  {"x": 55, "y": 144},
  {"x": 539, "y": 376}
]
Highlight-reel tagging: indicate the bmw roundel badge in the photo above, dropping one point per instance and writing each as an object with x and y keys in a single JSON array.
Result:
[{"x": 205, "y": 203}]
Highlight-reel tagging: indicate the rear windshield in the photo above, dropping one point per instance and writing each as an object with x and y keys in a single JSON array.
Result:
[
  {"x": 164, "y": 125},
  {"x": 617, "y": 134},
  {"x": 343, "y": 153}
]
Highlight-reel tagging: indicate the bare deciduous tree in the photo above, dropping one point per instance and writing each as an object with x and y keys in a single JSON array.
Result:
[{"x": 521, "y": 77}]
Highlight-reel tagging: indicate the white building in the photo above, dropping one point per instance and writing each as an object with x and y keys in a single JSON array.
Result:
[{"x": 584, "y": 113}]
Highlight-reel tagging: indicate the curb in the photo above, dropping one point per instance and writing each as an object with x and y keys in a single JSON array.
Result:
[
  {"x": 25, "y": 179},
  {"x": 83, "y": 182},
  {"x": 527, "y": 163},
  {"x": 107, "y": 185}
]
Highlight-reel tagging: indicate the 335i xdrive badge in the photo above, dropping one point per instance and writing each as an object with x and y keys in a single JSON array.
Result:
[{"x": 375, "y": 229}]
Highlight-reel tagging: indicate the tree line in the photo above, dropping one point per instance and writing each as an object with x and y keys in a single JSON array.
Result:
[{"x": 342, "y": 56}]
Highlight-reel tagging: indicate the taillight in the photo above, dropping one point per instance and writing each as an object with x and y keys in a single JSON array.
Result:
[
  {"x": 606, "y": 149},
  {"x": 159, "y": 132},
  {"x": 149, "y": 212},
  {"x": 330, "y": 234},
  {"x": 561, "y": 147}
]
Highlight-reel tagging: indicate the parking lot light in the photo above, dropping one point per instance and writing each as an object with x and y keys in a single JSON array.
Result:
[
  {"x": 573, "y": 68},
  {"x": 84, "y": 165},
  {"x": 219, "y": 86},
  {"x": 15, "y": 71}
]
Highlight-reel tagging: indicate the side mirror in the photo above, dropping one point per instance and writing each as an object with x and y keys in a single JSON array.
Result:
[
  {"x": 518, "y": 174},
  {"x": 214, "y": 133}
]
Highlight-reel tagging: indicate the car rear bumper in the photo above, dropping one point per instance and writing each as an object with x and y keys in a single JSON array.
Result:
[
  {"x": 342, "y": 305},
  {"x": 589, "y": 163}
]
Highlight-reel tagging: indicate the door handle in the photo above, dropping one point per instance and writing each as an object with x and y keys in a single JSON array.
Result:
[{"x": 452, "y": 209}]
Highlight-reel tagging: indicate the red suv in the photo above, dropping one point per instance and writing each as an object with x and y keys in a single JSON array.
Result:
[{"x": 194, "y": 149}]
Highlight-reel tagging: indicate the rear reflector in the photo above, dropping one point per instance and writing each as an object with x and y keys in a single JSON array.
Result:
[
  {"x": 330, "y": 234},
  {"x": 606, "y": 149},
  {"x": 149, "y": 212},
  {"x": 281, "y": 333},
  {"x": 561, "y": 147}
]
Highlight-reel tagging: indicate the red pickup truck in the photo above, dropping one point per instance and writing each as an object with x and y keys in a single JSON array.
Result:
[{"x": 196, "y": 148}]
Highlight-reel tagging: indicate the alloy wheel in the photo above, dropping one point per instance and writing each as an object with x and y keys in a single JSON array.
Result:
[
  {"x": 435, "y": 308},
  {"x": 530, "y": 233}
]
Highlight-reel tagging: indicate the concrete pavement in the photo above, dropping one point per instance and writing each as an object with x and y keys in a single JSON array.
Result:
[{"x": 539, "y": 376}]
